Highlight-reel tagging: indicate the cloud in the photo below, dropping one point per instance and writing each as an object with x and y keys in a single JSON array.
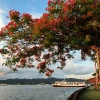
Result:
[
  {"x": 2, "y": 74},
  {"x": 2, "y": 60},
  {"x": 22, "y": 73},
  {"x": 72, "y": 70},
  {"x": 1, "y": 18},
  {"x": 36, "y": 15},
  {"x": 87, "y": 76},
  {"x": 80, "y": 68},
  {"x": 3, "y": 15}
]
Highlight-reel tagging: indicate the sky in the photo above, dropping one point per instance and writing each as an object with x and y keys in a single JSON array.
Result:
[{"x": 75, "y": 68}]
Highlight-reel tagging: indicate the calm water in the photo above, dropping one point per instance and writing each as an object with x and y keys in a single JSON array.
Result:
[{"x": 35, "y": 92}]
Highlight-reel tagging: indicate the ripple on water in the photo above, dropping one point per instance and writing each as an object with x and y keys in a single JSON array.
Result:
[{"x": 35, "y": 92}]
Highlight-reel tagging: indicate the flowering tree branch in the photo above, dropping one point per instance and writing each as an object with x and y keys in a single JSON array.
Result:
[{"x": 68, "y": 25}]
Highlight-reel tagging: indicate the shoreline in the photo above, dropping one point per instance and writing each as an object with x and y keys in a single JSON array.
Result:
[
  {"x": 74, "y": 95},
  {"x": 90, "y": 94}
]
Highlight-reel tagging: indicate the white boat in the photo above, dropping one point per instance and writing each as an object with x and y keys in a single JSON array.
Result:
[
  {"x": 69, "y": 84},
  {"x": 42, "y": 83},
  {"x": 3, "y": 84}
]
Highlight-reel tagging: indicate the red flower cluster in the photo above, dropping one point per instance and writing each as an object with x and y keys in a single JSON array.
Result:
[
  {"x": 11, "y": 27},
  {"x": 49, "y": 72},
  {"x": 89, "y": 14},
  {"x": 14, "y": 15},
  {"x": 65, "y": 7},
  {"x": 42, "y": 65},
  {"x": 22, "y": 61},
  {"x": 46, "y": 56},
  {"x": 35, "y": 50},
  {"x": 1, "y": 50},
  {"x": 63, "y": 63},
  {"x": 2, "y": 31},
  {"x": 72, "y": 1},
  {"x": 84, "y": 0},
  {"x": 26, "y": 15},
  {"x": 11, "y": 24},
  {"x": 41, "y": 23},
  {"x": 49, "y": 2},
  {"x": 47, "y": 23},
  {"x": 27, "y": 18}
]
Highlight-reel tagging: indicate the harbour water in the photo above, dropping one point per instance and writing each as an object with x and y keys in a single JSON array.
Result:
[{"x": 35, "y": 92}]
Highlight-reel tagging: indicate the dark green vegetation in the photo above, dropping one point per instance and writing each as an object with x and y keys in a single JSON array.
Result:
[
  {"x": 89, "y": 94},
  {"x": 35, "y": 81}
]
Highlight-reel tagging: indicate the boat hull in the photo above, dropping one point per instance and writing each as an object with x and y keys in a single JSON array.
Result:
[{"x": 67, "y": 86}]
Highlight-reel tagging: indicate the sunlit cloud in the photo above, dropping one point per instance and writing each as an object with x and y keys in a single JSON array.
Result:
[
  {"x": 87, "y": 76},
  {"x": 2, "y": 73},
  {"x": 1, "y": 18},
  {"x": 79, "y": 68},
  {"x": 36, "y": 15},
  {"x": 2, "y": 60}
]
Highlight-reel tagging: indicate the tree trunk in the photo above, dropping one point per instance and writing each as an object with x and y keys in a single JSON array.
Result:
[
  {"x": 97, "y": 64},
  {"x": 96, "y": 81}
]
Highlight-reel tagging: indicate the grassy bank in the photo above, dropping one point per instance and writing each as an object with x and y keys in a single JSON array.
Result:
[{"x": 89, "y": 94}]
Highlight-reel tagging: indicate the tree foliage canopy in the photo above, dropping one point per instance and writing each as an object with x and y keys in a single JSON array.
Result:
[{"x": 68, "y": 25}]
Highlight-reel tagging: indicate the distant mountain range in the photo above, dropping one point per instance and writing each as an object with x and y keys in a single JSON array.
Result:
[{"x": 36, "y": 81}]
